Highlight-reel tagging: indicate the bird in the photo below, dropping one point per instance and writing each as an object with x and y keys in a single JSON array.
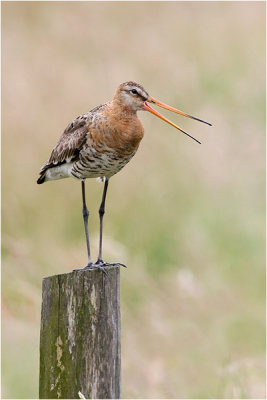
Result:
[{"x": 99, "y": 143}]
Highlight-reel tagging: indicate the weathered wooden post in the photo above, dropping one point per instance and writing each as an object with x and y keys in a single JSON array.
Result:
[{"x": 80, "y": 335}]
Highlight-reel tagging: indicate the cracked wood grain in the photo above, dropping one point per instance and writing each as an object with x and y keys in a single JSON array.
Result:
[{"x": 80, "y": 335}]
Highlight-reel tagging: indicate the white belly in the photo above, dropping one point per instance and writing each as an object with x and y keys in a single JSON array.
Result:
[{"x": 60, "y": 172}]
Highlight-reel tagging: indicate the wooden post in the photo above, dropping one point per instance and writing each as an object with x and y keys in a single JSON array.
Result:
[{"x": 80, "y": 336}]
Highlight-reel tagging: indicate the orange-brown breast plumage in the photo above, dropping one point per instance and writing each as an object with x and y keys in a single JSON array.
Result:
[
  {"x": 126, "y": 130},
  {"x": 112, "y": 141}
]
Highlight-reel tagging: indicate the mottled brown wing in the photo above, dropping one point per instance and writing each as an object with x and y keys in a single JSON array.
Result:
[{"x": 69, "y": 144}]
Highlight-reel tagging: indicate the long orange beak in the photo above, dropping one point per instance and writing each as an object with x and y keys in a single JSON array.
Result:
[{"x": 158, "y": 103}]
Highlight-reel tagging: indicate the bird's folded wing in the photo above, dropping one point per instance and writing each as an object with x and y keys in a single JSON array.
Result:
[{"x": 70, "y": 143}]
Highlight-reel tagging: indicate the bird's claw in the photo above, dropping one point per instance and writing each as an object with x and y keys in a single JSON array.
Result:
[
  {"x": 92, "y": 266},
  {"x": 100, "y": 264},
  {"x": 106, "y": 264}
]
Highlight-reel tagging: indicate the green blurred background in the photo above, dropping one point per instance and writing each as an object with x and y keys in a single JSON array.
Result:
[{"x": 188, "y": 220}]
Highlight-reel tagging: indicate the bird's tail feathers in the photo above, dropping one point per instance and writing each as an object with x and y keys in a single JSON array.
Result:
[{"x": 41, "y": 178}]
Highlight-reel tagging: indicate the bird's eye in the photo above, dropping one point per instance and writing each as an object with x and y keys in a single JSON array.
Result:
[{"x": 134, "y": 91}]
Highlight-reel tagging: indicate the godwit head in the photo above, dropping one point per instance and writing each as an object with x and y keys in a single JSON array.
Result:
[{"x": 132, "y": 97}]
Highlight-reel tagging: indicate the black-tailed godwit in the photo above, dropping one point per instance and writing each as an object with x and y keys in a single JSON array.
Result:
[{"x": 100, "y": 143}]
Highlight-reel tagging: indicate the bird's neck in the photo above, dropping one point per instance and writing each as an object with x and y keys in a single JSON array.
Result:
[
  {"x": 127, "y": 128},
  {"x": 122, "y": 110}
]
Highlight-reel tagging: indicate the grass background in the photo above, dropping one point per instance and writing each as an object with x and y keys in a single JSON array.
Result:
[{"x": 188, "y": 220}]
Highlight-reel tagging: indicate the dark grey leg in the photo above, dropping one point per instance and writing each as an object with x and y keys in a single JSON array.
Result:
[
  {"x": 85, "y": 220},
  {"x": 101, "y": 214},
  {"x": 100, "y": 264},
  {"x": 90, "y": 264}
]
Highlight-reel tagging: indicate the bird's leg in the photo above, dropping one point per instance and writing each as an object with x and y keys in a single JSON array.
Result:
[
  {"x": 85, "y": 220},
  {"x": 101, "y": 215}
]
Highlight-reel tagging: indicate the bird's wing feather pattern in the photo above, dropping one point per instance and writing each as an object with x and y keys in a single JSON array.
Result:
[{"x": 69, "y": 144}]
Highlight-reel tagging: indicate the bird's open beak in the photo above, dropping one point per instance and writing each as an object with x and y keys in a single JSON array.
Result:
[{"x": 158, "y": 103}]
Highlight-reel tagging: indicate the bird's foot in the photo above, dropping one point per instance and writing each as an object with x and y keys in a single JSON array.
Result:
[
  {"x": 106, "y": 264},
  {"x": 92, "y": 266},
  {"x": 100, "y": 264}
]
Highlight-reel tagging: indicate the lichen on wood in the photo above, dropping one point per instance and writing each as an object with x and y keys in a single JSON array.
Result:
[{"x": 80, "y": 335}]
